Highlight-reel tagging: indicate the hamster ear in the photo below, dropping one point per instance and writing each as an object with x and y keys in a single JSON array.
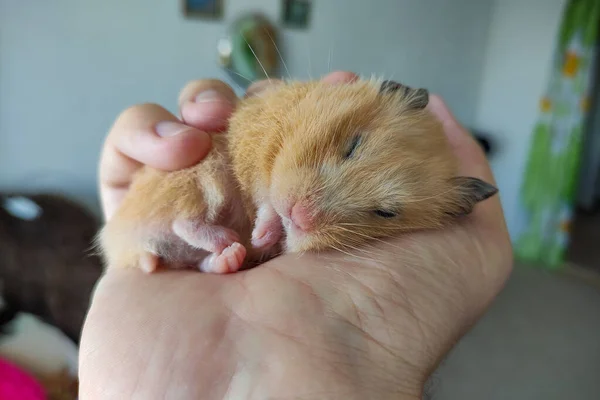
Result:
[
  {"x": 468, "y": 192},
  {"x": 415, "y": 98}
]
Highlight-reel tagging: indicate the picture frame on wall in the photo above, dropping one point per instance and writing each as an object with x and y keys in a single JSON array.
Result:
[
  {"x": 297, "y": 13},
  {"x": 203, "y": 9}
]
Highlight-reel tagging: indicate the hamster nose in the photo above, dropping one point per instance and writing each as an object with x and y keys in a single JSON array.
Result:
[{"x": 301, "y": 217}]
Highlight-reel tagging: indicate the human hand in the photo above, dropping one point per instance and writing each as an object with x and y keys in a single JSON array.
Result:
[
  {"x": 315, "y": 326},
  {"x": 148, "y": 134}
]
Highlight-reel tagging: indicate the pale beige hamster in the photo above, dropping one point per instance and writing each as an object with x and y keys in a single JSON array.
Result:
[{"x": 303, "y": 167}]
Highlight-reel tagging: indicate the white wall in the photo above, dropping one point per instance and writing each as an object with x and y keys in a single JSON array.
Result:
[
  {"x": 517, "y": 65},
  {"x": 68, "y": 67}
]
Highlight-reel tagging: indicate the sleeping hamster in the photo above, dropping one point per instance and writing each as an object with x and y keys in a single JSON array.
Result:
[{"x": 304, "y": 167}]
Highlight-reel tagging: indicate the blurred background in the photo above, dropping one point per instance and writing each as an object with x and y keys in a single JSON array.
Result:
[{"x": 520, "y": 74}]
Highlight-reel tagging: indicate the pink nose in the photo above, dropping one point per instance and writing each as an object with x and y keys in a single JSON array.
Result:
[{"x": 302, "y": 217}]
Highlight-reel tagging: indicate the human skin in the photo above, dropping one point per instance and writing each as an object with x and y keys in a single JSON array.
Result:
[{"x": 327, "y": 326}]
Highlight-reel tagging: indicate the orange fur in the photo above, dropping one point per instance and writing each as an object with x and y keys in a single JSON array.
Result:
[{"x": 288, "y": 145}]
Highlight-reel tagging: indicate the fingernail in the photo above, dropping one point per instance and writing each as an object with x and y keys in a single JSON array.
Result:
[
  {"x": 260, "y": 86},
  {"x": 170, "y": 128},
  {"x": 209, "y": 96}
]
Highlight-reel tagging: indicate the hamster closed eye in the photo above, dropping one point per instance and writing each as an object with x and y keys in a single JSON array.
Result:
[{"x": 304, "y": 166}]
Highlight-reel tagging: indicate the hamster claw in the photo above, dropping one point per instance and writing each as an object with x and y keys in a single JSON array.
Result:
[
  {"x": 230, "y": 260},
  {"x": 149, "y": 263},
  {"x": 264, "y": 238}
]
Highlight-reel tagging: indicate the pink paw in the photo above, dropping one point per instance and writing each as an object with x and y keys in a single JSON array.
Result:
[
  {"x": 229, "y": 260},
  {"x": 263, "y": 237},
  {"x": 149, "y": 263}
]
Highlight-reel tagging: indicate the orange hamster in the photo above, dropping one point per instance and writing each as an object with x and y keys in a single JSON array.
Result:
[{"x": 304, "y": 166}]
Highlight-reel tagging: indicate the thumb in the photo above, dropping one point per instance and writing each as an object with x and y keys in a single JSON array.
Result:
[{"x": 471, "y": 156}]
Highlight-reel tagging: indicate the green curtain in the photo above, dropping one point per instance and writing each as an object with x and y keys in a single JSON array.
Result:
[{"x": 550, "y": 182}]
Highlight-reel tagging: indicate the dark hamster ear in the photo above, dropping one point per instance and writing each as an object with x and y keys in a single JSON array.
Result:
[
  {"x": 416, "y": 98},
  {"x": 469, "y": 191}
]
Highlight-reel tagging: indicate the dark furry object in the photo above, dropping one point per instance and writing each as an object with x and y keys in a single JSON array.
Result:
[
  {"x": 7, "y": 314},
  {"x": 46, "y": 265}
]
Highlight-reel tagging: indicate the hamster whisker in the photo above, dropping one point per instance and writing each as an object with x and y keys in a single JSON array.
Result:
[
  {"x": 329, "y": 60},
  {"x": 238, "y": 86},
  {"x": 350, "y": 236},
  {"x": 309, "y": 62},
  {"x": 385, "y": 242},
  {"x": 360, "y": 234},
  {"x": 238, "y": 74},
  {"x": 353, "y": 224},
  {"x": 93, "y": 250},
  {"x": 321, "y": 188},
  {"x": 300, "y": 254},
  {"x": 279, "y": 53},
  {"x": 360, "y": 250},
  {"x": 333, "y": 246},
  {"x": 257, "y": 59}
]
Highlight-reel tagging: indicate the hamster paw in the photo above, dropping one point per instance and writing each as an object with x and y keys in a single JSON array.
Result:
[
  {"x": 207, "y": 237},
  {"x": 229, "y": 260},
  {"x": 149, "y": 262},
  {"x": 268, "y": 228}
]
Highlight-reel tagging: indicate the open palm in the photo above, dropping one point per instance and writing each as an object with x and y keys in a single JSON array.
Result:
[{"x": 372, "y": 324}]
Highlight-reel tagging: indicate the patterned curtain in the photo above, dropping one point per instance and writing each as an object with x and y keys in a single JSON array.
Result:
[{"x": 549, "y": 186}]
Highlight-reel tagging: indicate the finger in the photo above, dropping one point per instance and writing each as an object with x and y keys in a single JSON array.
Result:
[
  {"x": 146, "y": 134},
  {"x": 259, "y": 86},
  {"x": 207, "y": 104},
  {"x": 340, "y": 77},
  {"x": 473, "y": 161},
  {"x": 333, "y": 77}
]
